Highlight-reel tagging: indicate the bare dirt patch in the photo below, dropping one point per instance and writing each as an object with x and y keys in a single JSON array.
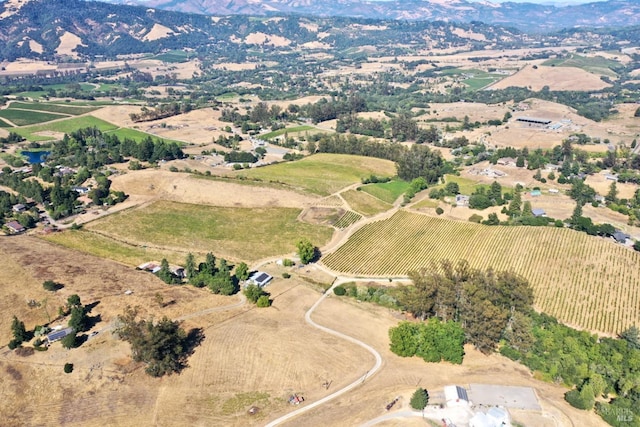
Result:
[{"x": 321, "y": 215}]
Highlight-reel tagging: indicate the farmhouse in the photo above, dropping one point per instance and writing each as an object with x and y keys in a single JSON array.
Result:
[
  {"x": 151, "y": 266},
  {"x": 538, "y": 212},
  {"x": 19, "y": 208},
  {"x": 620, "y": 237},
  {"x": 58, "y": 335},
  {"x": 462, "y": 200},
  {"x": 14, "y": 227},
  {"x": 260, "y": 278},
  {"x": 506, "y": 161},
  {"x": 455, "y": 396}
]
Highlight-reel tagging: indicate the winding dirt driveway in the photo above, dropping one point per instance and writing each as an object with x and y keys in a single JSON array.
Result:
[{"x": 349, "y": 387}]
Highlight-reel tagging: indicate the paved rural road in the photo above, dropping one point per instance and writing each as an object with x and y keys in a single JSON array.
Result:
[{"x": 349, "y": 387}]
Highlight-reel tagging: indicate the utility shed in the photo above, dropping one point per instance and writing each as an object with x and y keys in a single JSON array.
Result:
[{"x": 260, "y": 278}]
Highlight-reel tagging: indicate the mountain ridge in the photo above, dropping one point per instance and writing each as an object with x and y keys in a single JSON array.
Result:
[{"x": 528, "y": 17}]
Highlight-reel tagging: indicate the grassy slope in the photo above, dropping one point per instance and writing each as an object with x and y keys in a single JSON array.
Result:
[
  {"x": 364, "y": 203},
  {"x": 386, "y": 191},
  {"x": 65, "y": 126},
  {"x": 236, "y": 233},
  {"x": 323, "y": 174}
]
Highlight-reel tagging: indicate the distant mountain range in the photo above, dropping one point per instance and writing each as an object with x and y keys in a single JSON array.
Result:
[
  {"x": 51, "y": 29},
  {"x": 524, "y": 16}
]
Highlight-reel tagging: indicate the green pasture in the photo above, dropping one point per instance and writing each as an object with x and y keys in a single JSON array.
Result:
[
  {"x": 64, "y": 126},
  {"x": 234, "y": 233},
  {"x": 137, "y": 135},
  {"x": 73, "y": 110},
  {"x": 592, "y": 64},
  {"x": 364, "y": 203},
  {"x": 174, "y": 56},
  {"x": 323, "y": 173},
  {"x": 26, "y": 118},
  {"x": 386, "y": 191},
  {"x": 289, "y": 130}
]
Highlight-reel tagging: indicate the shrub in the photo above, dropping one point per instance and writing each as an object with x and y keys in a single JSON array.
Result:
[
  {"x": 68, "y": 368},
  {"x": 50, "y": 285},
  {"x": 286, "y": 275},
  {"x": 439, "y": 210},
  {"x": 263, "y": 301},
  {"x": 13, "y": 344},
  {"x": 475, "y": 218},
  {"x": 339, "y": 290},
  {"x": 288, "y": 263}
]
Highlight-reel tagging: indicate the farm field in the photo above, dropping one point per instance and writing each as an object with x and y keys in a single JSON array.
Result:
[
  {"x": 235, "y": 233},
  {"x": 590, "y": 283},
  {"x": 73, "y": 110},
  {"x": 289, "y": 130},
  {"x": 322, "y": 174},
  {"x": 25, "y": 118},
  {"x": 365, "y": 203},
  {"x": 63, "y": 126},
  {"x": 138, "y": 136},
  {"x": 386, "y": 191},
  {"x": 108, "y": 388}
]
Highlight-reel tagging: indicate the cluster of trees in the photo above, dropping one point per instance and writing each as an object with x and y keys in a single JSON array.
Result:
[
  {"x": 434, "y": 340},
  {"x": 162, "y": 112},
  {"x": 215, "y": 275},
  {"x": 482, "y": 197},
  {"x": 92, "y": 148},
  {"x": 257, "y": 295},
  {"x": 162, "y": 345},
  {"x": 381, "y": 295},
  {"x": 19, "y": 333},
  {"x": 240, "y": 157},
  {"x": 483, "y": 302},
  {"x": 602, "y": 370}
]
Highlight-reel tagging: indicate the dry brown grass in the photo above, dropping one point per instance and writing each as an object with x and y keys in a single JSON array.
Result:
[
  {"x": 249, "y": 357},
  {"x": 556, "y": 78}
]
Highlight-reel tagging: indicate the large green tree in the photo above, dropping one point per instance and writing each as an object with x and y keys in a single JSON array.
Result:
[
  {"x": 306, "y": 250},
  {"x": 419, "y": 399},
  {"x": 163, "y": 345}
]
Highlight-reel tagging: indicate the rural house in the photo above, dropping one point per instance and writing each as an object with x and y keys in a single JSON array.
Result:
[
  {"x": 58, "y": 335},
  {"x": 14, "y": 227},
  {"x": 462, "y": 200},
  {"x": 538, "y": 212},
  {"x": 19, "y": 208}
]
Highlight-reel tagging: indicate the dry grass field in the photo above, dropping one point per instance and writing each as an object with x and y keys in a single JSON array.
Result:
[
  {"x": 250, "y": 357},
  {"x": 591, "y": 283},
  {"x": 556, "y": 78}
]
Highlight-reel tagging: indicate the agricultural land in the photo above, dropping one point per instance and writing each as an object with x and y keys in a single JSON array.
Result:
[{"x": 348, "y": 161}]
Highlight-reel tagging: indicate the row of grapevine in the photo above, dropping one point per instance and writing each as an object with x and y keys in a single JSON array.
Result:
[
  {"x": 348, "y": 218},
  {"x": 585, "y": 281}
]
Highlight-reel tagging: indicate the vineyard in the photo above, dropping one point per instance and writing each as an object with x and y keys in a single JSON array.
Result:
[
  {"x": 584, "y": 281},
  {"x": 349, "y": 217}
]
